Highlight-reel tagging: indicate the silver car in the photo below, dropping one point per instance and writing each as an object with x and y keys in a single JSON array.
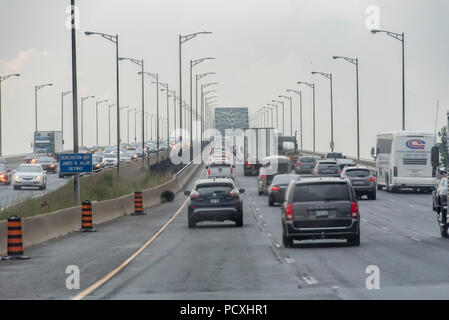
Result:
[{"x": 30, "y": 175}]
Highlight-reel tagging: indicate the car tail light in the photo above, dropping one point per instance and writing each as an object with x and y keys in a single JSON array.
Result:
[
  {"x": 298, "y": 163},
  {"x": 289, "y": 211},
  {"x": 354, "y": 209},
  {"x": 208, "y": 172},
  {"x": 275, "y": 188},
  {"x": 234, "y": 193},
  {"x": 232, "y": 171},
  {"x": 262, "y": 176},
  {"x": 195, "y": 195},
  {"x": 373, "y": 179},
  {"x": 339, "y": 170}
]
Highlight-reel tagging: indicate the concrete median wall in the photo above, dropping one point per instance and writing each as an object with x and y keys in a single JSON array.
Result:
[{"x": 44, "y": 227}]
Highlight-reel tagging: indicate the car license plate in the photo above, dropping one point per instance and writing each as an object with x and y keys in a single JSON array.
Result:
[
  {"x": 358, "y": 183},
  {"x": 322, "y": 213},
  {"x": 214, "y": 201}
]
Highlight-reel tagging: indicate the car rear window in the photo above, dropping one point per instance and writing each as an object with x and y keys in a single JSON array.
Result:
[
  {"x": 307, "y": 159},
  {"x": 321, "y": 192},
  {"x": 280, "y": 180},
  {"x": 209, "y": 189},
  {"x": 334, "y": 155},
  {"x": 220, "y": 164},
  {"x": 327, "y": 165},
  {"x": 360, "y": 173}
]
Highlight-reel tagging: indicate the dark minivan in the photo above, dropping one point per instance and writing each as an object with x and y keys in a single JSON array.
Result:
[
  {"x": 323, "y": 208},
  {"x": 276, "y": 191},
  {"x": 327, "y": 168},
  {"x": 305, "y": 165}
]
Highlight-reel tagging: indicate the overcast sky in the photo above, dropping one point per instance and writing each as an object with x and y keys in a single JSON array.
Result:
[{"x": 263, "y": 47}]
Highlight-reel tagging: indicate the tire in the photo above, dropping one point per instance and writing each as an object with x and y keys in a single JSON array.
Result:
[
  {"x": 192, "y": 224},
  {"x": 270, "y": 202},
  {"x": 16, "y": 188},
  {"x": 372, "y": 196},
  {"x": 287, "y": 241},
  {"x": 239, "y": 220},
  {"x": 260, "y": 193},
  {"x": 387, "y": 183},
  {"x": 379, "y": 187},
  {"x": 354, "y": 240}
]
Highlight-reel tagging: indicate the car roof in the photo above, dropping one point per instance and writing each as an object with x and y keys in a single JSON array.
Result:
[
  {"x": 327, "y": 161},
  {"x": 30, "y": 165},
  {"x": 318, "y": 180},
  {"x": 356, "y": 168}
]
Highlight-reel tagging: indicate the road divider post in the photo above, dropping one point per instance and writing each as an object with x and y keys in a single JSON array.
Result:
[
  {"x": 86, "y": 217},
  {"x": 15, "y": 241},
  {"x": 138, "y": 204}
]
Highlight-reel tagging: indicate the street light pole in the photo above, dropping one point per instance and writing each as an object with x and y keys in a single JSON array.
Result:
[
  {"x": 3, "y": 78},
  {"x": 329, "y": 76},
  {"x": 356, "y": 63},
  {"x": 62, "y": 112},
  {"x": 140, "y": 63},
  {"x": 299, "y": 93},
  {"x": 114, "y": 39},
  {"x": 109, "y": 123},
  {"x": 36, "y": 89},
  {"x": 400, "y": 37},
  {"x": 165, "y": 88},
  {"x": 291, "y": 112},
  {"x": 312, "y": 85},
  {"x": 182, "y": 40},
  {"x": 283, "y": 118},
  {"x": 96, "y": 117}
]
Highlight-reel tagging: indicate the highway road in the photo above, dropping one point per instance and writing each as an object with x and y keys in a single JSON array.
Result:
[
  {"x": 399, "y": 235},
  {"x": 10, "y": 196}
]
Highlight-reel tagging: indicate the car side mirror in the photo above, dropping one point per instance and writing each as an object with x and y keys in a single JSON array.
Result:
[
  {"x": 373, "y": 152},
  {"x": 435, "y": 156},
  {"x": 207, "y": 167},
  {"x": 241, "y": 190},
  {"x": 322, "y": 157},
  {"x": 187, "y": 192}
]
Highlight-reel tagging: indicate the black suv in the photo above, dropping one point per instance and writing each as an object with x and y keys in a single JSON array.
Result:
[
  {"x": 320, "y": 208},
  {"x": 215, "y": 200}
]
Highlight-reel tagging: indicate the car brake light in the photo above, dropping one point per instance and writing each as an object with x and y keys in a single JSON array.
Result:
[
  {"x": 262, "y": 176},
  {"x": 354, "y": 209},
  {"x": 208, "y": 172},
  {"x": 298, "y": 163},
  {"x": 373, "y": 179},
  {"x": 289, "y": 211},
  {"x": 232, "y": 171},
  {"x": 234, "y": 193},
  {"x": 275, "y": 188},
  {"x": 339, "y": 171},
  {"x": 195, "y": 195}
]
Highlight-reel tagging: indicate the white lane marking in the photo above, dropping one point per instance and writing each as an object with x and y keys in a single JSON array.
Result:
[
  {"x": 290, "y": 260},
  {"x": 416, "y": 239},
  {"x": 277, "y": 245},
  {"x": 254, "y": 202},
  {"x": 269, "y": 234},
  {"x": 310, "y": 280},
  {"x": 260, "y": 216},
  {"x": 364, "y": 220},
  {"x": 412, "y": 206},
  {"x": 257, "y": 209}
]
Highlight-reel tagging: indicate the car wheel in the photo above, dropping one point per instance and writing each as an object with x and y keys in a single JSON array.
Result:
[
  {"x": 373, "y": 195},
  {"x": 379, "y": 187},
  {"x": 443, "y": 224},
  {"x": 354, "y": 240},
  {"x": 287, "y": 241},
  {"x": 270, "y": 202},
  {"x": 239, "y": 220},
  {"x": 16, "y": 187},
  {"x": 192, "y": 223},
  {"x": 260, "y": 193}
]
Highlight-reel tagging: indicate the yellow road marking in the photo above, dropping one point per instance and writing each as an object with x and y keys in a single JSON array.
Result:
[{"x": 100, "y": 282}]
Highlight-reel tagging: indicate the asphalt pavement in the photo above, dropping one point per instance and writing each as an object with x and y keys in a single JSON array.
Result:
[
  {"x": 399, "y": 236},
  {"x": 9, "y": 196}
]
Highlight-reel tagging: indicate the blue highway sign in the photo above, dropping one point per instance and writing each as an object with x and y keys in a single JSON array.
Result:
[{"x": 75, "y": 162}]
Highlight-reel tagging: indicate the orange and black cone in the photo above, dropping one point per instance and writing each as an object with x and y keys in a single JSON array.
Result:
[
  {"x": 138, "y": 204},
  {"x": 15, "y": 242},
  {"x": 86, "y": 217}
]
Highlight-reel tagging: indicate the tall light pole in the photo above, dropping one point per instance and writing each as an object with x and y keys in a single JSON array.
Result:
[
  {"x": 63, "y": 94},
  {"x": 277, "y": 114},
  {"x": 140, "y": 63},
  {"x": 355, "y": 61},
  {"x": 299, "y": 93},
  {"x": 114, "y": 39},
  {"x": 312, "y": 85},
  {"x": 36, "y": 89},
  {"x": 192, "y": 64},
  {"x": 3, "y": 78},
  {"x": 96, "y": 117},
  {"x": 291, "y": 112},
  {"x": 182, "y": 40},
  {"x": 400, "y": 37},
  {"x": 82, "y": 117},
  {"x": 283, "y": 118},
  {"x": 197, "y": 78},
  {"x": 109, "y": 122},
  {"x": 155, "y": 76},
  {"x": 76, "y": 178},
  {"x": 165, "y": 88},
  {"x": 329, "y": 76}
]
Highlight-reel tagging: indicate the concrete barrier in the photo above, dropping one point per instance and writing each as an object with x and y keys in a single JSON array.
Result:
[{"x": 52, "y": 225}]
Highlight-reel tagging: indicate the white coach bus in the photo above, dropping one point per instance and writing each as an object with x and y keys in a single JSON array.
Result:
[{"x": 403, "y": 160}]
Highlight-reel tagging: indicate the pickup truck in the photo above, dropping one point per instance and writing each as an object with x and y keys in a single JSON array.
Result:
[{"x": 222, "y": 169}]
